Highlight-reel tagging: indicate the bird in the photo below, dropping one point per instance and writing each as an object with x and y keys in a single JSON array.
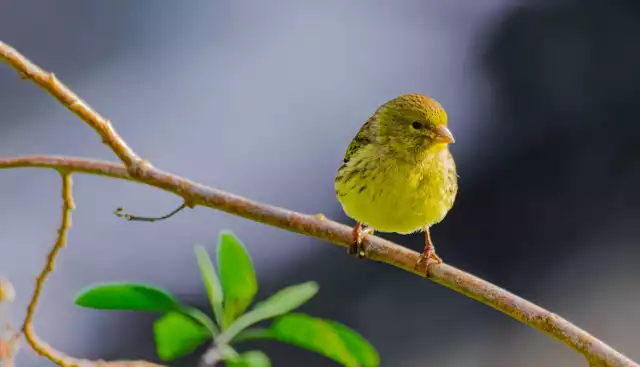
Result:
[{"x": 398, "y": 174}]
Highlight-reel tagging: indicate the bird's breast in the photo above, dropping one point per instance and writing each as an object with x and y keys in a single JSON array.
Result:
[{"x": 392, "y": 195}]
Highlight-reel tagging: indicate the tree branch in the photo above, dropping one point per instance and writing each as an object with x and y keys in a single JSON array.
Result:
[
  {"x": 27, "y": 327},
  {"x": 595, "y": 351},
  {"x": 70, "y": 100},
  {"x": 38, "y": 345}
]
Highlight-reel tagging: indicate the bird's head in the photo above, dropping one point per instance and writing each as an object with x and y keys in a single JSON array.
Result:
[{"x": 412, "y": 125}]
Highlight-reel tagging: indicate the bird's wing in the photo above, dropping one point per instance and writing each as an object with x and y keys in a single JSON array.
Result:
[{"x": 362, "y": 138}]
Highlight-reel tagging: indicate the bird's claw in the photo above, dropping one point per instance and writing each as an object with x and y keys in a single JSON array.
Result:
[
  {"x": 354, "y": 249},
  {"x": 429, "y": 257},
  {"x": 359, "y": 234}
]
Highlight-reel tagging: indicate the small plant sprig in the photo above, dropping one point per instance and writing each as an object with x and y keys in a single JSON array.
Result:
[{"x": 182, "y": 328}]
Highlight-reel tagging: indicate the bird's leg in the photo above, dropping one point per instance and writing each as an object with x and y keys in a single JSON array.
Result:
[
  {"x": 429, "y": 252},
  {"x": 358, "y": 234}
]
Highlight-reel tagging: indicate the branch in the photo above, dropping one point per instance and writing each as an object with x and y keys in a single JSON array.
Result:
[
  {"x": 27, "y": 328},
  {"x": 70, "y": 100},
  {"x": 39, "y": 346},
  {"x": 595, "y": 351}
]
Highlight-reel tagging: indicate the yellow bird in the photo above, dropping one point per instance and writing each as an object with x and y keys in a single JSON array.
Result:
[{"x": 398, "y": 174}]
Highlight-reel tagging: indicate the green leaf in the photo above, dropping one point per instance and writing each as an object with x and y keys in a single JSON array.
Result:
[
  {"x": 283, "y": 301},
  {"x": 328, "y": 338},
  {"x": 357, "y": 344},
  {"x": 239, "y": 283},
  {"x": 253, "y": 358},
  {"x": 202, "y": 318},
  {"x": 211, "y": 282},
  {"x": 177, "y": 335},
  {"x": 127, "y": 296}
]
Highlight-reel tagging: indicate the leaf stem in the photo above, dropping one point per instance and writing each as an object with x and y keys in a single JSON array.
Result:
[{"x": 253, "y": 334}]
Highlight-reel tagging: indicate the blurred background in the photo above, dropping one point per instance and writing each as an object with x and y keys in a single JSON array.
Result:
[{"x": 262, "y": 98}]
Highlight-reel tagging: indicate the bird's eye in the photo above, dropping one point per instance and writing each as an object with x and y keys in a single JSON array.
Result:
[{"x": 416, "y": 125}]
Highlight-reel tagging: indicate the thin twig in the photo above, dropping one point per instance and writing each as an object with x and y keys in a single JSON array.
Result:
[
  {"x": 61, "y": 241},
  {"x": 38, "y": 345},
  {"x": 120, "y": 213},
  {"x": 102, "y": 126},
  {"x": 595, "y": 351}
]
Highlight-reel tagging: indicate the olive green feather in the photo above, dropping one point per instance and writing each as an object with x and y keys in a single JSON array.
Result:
[{"x": 361, "y": 139}]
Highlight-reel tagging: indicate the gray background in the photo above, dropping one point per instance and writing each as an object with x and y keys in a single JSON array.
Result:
[{"x": 262, "y": 97}]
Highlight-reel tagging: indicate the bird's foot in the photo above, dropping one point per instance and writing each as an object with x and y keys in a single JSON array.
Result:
[
  {"x": 428, "y": 256},
  {"x": 359, "y": 233}
]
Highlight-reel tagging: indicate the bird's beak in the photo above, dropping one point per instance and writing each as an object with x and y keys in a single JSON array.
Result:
[{"x": 443, "y": 135}]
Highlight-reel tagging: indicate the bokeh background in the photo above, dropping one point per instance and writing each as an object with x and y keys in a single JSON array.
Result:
[{"x": 262, "y": 98}]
